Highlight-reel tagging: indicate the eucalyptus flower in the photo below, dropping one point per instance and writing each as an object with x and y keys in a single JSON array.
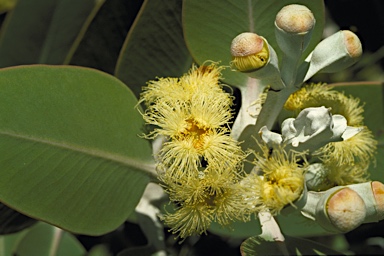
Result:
[
  {"x": 277, "y": 180},
  {"x": 345, "y": 161},
  {"x": 199, "y": 164},
  {"x": 193, "y": 114}
]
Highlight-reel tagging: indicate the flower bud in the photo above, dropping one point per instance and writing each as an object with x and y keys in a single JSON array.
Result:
[
  {"x": 249, "y": 52},
  {"x": 293, "y": 29},
  {"x": 346, "y": 210},
  {"x": 295, "y": 18},
  {"x": 252, "y": 55},
  {"x": 316, "y": 177},
  {"x": 343, "y": 208},
  {"x": 334, "y": 53},
  {"x": 352, "y": 44}
]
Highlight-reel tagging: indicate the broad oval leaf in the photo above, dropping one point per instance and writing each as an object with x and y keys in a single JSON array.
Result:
[
  {"x": 210, "y": 26},
  {"x": 291, "y": 246},
  {"x": 44, "y": 31},
  {"x": 70, "y": 153},
  {"x": 154, "y": 46}
]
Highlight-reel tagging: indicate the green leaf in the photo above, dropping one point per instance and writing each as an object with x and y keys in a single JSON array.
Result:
[
  {"x": 102, "y": 42},
  {"x": 237, "y": 229},
  {"x": 43, "y": 31},
  {"x": 291, "y": 246},
  {"x": 42, "y": 240},
  {"x": 295, "y": 224},
  {"x": 210, "y": 26},
  {"x": 70, "y": 153},
  {"x": 154, "y": 46}
]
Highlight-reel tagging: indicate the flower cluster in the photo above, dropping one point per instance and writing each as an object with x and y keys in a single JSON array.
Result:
[
  {"x": 347, "y": 161},
  {"x": 199, "y": 164},
  {"x": 321, "y": 146}
]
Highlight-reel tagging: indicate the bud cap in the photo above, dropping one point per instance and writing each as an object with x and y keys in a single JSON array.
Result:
[{"x": 295, "y": 18}]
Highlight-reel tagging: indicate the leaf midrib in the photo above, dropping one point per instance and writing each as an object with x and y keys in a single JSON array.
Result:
[{"x": 145, "y": 167}]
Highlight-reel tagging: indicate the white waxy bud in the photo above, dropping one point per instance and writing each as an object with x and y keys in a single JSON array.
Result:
[
  {"x": 343, "y": 208},
  {"x": 316, "y": 177},
  {"x": 249, "y": 52},
  {"x": 334, "y": 53},
  {"x": 293, "y": 29},
  {"x": 295, "y": 19},
  {"x": 346, "y": 210},
  {"x": 252, "y": 55}
]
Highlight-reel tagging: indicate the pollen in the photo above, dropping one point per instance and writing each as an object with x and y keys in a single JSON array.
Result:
[
  {"x": 195, "y": 131},
  {"x": 283, "y": 178},
  {"x": 317, "y": 95},
  {"x": 348, "y": 161},
  {"x": 199, "y": 163}
]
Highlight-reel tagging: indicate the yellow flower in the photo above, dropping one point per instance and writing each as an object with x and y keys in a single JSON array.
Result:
[
  {"x": 189, "y": 220},
  {"x": 282, "y": 180},
  {"x": 199, "y": 163},
  {"x": 348, "y": 161},
  {"x": 210, "y": 195},
  {"x": 193, "y": 113},
  {"x": 317, "y": 95}
]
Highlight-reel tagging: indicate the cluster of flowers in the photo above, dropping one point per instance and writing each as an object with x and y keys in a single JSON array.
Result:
[
  {"x": 200, "y": 164},
  {"x": 343, "y": 162}
]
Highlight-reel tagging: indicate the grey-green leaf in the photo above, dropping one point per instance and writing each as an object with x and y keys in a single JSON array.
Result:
[
  {"x": 44, "y": 31},
  {"x": 70, "y": 153}
]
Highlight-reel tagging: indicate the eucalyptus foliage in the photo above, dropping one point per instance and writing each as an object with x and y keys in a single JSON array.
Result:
[{"x": 74, "y": 151}]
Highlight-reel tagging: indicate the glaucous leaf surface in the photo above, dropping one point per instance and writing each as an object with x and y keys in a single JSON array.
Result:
[
  {"x": 210, "y": 26},
  {"x": 43, "y": 31},
  {"x": 154, "y": 46},
  {"x": 70, "y": 153}
]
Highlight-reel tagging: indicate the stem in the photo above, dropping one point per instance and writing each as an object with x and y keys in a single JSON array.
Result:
[
  {"x": 57, "y": 235},
  {"x": 271, "y": 109},
  {"x": 270, "y": 231},
  {"x": 289, "y": 66},
  {"x": 249, "y": 94}
]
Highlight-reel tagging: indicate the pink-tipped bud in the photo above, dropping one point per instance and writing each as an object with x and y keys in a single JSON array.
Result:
[
  {"x": 352, "y": 44},
  {"x": 378, "y": 193},
  {"x": 295, "y": 18},
  {"x": 249, "y": 52},
  {"x": 346, "y": 209}
]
